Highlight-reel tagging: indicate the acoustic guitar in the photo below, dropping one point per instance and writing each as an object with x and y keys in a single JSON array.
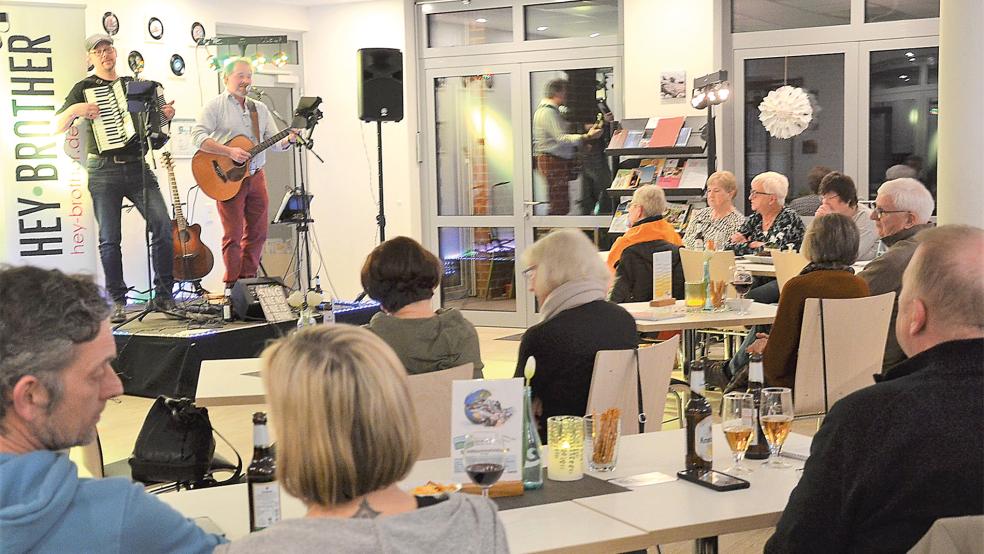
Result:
[
  {"x": 220, "y": 177},
  {"x": 192, "y": 259}
]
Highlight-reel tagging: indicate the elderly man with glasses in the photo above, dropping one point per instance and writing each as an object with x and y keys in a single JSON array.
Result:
[{"x": 902, "y": 209}]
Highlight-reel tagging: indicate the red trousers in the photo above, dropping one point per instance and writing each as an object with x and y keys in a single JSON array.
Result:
[
  {"x": 557, "y": 172},
  {"x": 244, "y": 226}
]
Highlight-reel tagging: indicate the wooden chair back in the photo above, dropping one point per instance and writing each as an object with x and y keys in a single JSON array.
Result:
[
  {"x": 431, "y": 396},
  {"x": 614, "y": 383}
]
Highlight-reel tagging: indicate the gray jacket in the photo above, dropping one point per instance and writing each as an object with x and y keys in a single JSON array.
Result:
[
  {"x": 884, "y": 274},
  {"x": 463, "y": 523}
]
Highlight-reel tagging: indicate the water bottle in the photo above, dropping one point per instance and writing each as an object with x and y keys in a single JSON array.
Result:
[
  {"x": 532, "y": 461},
  {"x": 329, "y": 312}
]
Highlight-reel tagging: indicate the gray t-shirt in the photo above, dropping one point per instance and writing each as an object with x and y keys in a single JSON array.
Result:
[
  {"x": 428, "y": 344},
  {"x": 462, "y": 524}
]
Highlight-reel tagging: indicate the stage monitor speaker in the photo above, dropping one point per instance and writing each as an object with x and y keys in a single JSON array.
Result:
[
  {"x": 380, "y": 84},
  {"x": 245, "y": 304}
]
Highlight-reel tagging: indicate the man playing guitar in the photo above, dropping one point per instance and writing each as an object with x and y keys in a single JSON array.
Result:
[
  {"x": 244, "y": 216},
  {"x": 116, "y": 174}
]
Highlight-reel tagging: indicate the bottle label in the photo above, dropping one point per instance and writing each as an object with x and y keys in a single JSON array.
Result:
[
  {"x": 697, "y": 381},
  {"x": 261, "y": 437},
  {"x": 755, "y": 373},
  {"x": 702, "y": 436},
  {"x": 749, "y": 417},
  {"x": 266, "y": 504}
]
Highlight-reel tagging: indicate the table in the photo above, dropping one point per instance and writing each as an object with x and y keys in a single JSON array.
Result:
[
  {"x": 769, "y": 270},
  {"x": 679, "y": 510},
  {"x": 230, "y": 383},
  {"x": 663, "y": 513},
  {"x": 690, "y": 322}
]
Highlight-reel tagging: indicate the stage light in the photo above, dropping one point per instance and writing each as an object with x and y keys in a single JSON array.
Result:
[{"x": 699, "y": 99}]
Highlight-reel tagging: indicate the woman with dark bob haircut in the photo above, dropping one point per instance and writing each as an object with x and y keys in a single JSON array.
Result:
[{"x": 401, "y": 275}]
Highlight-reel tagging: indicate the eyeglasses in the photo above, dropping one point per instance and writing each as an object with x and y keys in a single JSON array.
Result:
[
  {"x": 528, "y": 272},
  {"x": 755, "y": 193},
  {"x": 829, "y": 197},
  {"x": 878, "y": 213},
  {"x": 103, "y": 51}
]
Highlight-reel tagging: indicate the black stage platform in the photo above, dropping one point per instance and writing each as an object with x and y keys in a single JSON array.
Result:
[{"x": 163, "y": 356}]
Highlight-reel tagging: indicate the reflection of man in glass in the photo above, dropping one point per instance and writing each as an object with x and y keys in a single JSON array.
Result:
[{"x": 553, "y": 148}]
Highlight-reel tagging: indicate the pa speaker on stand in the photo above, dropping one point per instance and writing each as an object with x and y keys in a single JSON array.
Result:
[{"x": 380, "y": 84}]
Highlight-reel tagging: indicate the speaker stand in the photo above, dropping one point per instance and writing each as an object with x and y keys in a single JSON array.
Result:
[{"x": 381, "y": 215}]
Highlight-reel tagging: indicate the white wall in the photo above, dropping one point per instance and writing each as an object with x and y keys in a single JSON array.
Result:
[
  {"x": 345, "y": 185},
  {"x": 665, "y": 35}
]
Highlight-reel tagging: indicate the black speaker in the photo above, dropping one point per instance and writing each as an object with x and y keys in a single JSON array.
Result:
[
  {"x": 245, "y": 304},
  {"x": 380, "y": 84}
]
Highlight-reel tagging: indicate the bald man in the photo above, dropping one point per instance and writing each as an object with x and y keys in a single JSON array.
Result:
[{"x": 894, "y": 457}]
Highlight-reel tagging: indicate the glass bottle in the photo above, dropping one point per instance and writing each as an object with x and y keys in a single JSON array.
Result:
[
  {"x": 758, "y": 447},
  {"x": 532, "y": 459},
  {"x": 700, "y": 453},
  {"x": 227, "y": 305},
  {"x": 263, "y": 489}
]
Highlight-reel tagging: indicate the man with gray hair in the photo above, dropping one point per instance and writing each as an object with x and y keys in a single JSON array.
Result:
[
  {"x": 900, "y": 171},
  {"x": 892, "y": 458},
  {"x": 554, "y": 148},
  {"x": 56, "y": 351},
  {"x": 902, "y": 209}
]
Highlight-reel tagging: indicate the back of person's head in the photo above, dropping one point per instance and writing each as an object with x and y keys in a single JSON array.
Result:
[
  {"x": 44, "y": 315},
  {"x": 841, "y": 185},
  {"x": 724, "y": 179},
  {"x": 901, "y": 171},
  {"x": 946, "y": 276},
  {"x": 564, "y": 255},
  {"x": 555, "y": 87},
  {"x": 832, "y": 239},
  {"x": 773, "y": 183},
  {"x": 399, "y": 272},
  {"x": 910, "y": 195},
  {"x": 816, "y": 174},
  {"x": 341, "y": 412},
  {"x": 651, "y": 199}
]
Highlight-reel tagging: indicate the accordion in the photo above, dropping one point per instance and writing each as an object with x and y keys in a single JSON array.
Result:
[{"x": 114, "y": 127}]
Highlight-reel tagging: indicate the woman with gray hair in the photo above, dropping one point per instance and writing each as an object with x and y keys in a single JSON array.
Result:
[
  {"x": 831, "y": 245},
  {"x": 773, "y": 224},
  {"x": 569, "y": 281}
]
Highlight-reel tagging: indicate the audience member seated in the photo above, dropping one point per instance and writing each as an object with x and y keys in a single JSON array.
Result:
[
  {"x": 902, "y": 209},
  {"x": 831, "y": 245},
  {"x": 569, "y": 281},
  {"x": 634, "y": 264},
  {"x": 892, "y": 458},
  {"x": 839, "y": 195},
  {"x": 401, "y": 275},
  {"x": 719, "y": 220},
  {"x": 808, "y": 204},
  {"x": 772, "y": 225},
  {"x": 56, "y": 347},
  {"x": 646, "y": 223},
  {"x": 346, "y": 435}
]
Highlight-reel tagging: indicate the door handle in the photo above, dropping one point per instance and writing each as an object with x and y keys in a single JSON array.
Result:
[{"x": 528, "y": 207}]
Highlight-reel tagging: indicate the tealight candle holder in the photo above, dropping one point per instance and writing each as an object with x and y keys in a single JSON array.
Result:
[{"x": 565, "y": 435}]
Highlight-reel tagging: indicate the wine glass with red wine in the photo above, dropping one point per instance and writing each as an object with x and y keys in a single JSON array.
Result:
[
  {"x": 485, "y": 459},
  {"x": 742, "y": 281}
]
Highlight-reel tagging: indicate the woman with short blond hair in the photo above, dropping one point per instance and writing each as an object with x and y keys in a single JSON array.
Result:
[
  {"x": 719, "y": 220},
  {"x": 347, "y": 433}
]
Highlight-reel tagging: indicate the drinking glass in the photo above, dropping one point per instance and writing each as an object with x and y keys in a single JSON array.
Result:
[
  {"x": 738, "y": 423},
  {"x": 742, "y": 281},
  {"x": 485, "y": 459},
  {"x": 694, "y": 294},
  {"x": 776, "y": 409}
]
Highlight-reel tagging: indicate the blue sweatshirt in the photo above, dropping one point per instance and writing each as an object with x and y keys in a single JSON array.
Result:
[{"x": 45, "y": 507}]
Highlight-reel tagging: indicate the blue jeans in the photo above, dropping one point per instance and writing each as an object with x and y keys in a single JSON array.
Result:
[{"x": 109, "y": 184}]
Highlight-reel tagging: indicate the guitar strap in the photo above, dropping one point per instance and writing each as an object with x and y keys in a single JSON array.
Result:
[{"x": 256, "y": 120}]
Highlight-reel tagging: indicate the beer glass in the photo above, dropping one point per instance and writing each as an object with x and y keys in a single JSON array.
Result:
[
  {"x": 738, "y": 423},
  {"x": 776, "y": 411}
]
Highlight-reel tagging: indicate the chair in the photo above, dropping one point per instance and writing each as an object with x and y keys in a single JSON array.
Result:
[
  {"x": 431, "y": 396},
  {"x": 841, "y": 347},
  {"x": 722, "y": 262},
  {"x": 614, "y": 383},
  {"x": 788, "y": 264},
  {"x": 957, "y": 535}
]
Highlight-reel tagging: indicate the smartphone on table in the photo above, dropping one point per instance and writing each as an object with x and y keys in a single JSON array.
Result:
[{"x": 714, "y": 480}]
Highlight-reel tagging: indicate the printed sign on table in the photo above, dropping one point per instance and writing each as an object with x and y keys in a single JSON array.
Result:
[{"x": 488, "y": 405}]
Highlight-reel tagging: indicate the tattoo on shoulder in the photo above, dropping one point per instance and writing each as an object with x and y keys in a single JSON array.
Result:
[{"x": 365, "y": 511}]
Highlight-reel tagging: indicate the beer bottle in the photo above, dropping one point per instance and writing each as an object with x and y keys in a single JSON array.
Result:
[
  {"x": 698, "y": 419},
  {"x": 227, "y": 305},
  {"x": 264, "y": 492},
  {"x": 758, "y": 447}
]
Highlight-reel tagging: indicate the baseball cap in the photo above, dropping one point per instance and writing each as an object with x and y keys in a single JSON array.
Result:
[{"x": 95, "y": 39}]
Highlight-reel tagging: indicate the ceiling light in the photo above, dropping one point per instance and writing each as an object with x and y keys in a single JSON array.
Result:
[
  {"x": 909, "y": 54},
  {"x": 481, "y": 20},
  {"x": 593, "y": 35},
  {"x": 903, "y": 76},
  {"x": 542, "y": 28}
]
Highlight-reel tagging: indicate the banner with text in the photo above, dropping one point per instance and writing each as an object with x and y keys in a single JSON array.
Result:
[{"x": 46, "y": 219}]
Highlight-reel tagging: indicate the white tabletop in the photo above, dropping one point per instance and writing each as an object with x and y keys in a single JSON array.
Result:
[
  {"x": 229, "y": 383},
  {"x": 769, "y": 270},
  {"x": 758, "y": 314},
  {"x": 679, "y": 510}
]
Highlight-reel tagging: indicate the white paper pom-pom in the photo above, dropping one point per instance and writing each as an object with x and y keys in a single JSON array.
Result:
[{"x": 785, "y": 112}]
